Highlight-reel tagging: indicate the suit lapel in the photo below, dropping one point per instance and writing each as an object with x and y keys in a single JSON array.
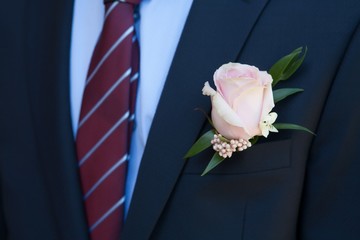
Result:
[
  {"x": 48, "y": 33},
  {"x": 214, "y": 33}
]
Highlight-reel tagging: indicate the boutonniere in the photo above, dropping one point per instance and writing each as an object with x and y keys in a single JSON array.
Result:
[{"x": 242, "y": 106}]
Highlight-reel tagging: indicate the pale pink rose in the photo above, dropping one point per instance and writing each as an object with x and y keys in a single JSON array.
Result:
[{"x": 243, "y": 99}]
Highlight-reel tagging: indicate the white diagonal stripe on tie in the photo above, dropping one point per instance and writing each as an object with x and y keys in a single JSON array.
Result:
[
  {"x": 107, "y": 54},
  {"x": 132, "y": 117},
  {"x": 108, "y": 213},
  {"x": 103, "y": 98},
  {"x": 113, "y": 5},
  {"x": 134, "y": 77},
  {"x": 98, "y": 144},
  {"x": 108, "y": 173}
]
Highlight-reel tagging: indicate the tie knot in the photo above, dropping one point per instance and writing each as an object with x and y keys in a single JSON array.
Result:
[{"x": 134, "y": 2}]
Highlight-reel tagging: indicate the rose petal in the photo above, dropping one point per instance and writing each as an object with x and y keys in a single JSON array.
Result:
[
  {"x": 268, "y": 98},
  {"x": 207, "y": 90},
  {"x": 230, "y": 89},
  {"x": 248, "y": 106},
  {"x": 224, "y": 111},
  {"x": 227, "y": 130}
]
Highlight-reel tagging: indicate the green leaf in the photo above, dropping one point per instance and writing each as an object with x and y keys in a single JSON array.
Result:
[
  {"x": 201, "y": 144},
  {"x": 287, "y": 66},
  {"x": 292, "y": 127},
  {"x": 283, "y": 93},
  {"x": 254, "y": 140},
  {"x": 294, "y": 65},
  {"x": 215, "y": 160}
]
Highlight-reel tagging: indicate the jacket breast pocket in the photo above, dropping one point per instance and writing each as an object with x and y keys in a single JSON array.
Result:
[{"x": 261, "y": 157}]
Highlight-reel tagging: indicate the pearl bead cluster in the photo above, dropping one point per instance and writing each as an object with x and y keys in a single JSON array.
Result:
[{"x": 227, "y": 148}]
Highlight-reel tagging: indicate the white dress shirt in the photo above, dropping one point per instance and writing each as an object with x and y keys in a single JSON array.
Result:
[{"x": 159, "y": 29}]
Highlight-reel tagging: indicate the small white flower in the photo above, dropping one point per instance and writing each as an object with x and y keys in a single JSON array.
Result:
[{"x": 266, "y": 124}]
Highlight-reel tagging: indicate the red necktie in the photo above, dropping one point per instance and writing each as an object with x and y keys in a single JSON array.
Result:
[{"x": 106, "y": 120}]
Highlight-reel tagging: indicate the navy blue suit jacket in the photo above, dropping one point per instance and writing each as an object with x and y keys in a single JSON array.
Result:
[{"x": 292, "y": 186}]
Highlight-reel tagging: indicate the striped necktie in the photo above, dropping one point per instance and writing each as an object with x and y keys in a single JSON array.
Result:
[{"x": 106, "y": 120}]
